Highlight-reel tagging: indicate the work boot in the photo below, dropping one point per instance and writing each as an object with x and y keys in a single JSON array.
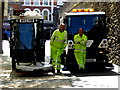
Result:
[
  {"x": 81, "y": 70},
  {"x": 65, "y": 68},
  {"x": 53, "y": 70},
  {"x": 58, "y": 73}
]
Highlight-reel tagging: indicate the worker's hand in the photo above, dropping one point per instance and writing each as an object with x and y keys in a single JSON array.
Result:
[
  {"x": 77, "y": 42},
  {"x": 51, "y": 43}
]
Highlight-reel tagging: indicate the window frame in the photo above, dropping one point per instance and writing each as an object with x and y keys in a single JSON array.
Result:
[
  {"x": 36, "y": 2},
  {"x": 27, "y": 2}
]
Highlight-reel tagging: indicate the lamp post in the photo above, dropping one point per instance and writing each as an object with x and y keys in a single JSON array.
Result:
[
  {"x": 1, "y": 23},
  {"x": 55, "y": 17}
]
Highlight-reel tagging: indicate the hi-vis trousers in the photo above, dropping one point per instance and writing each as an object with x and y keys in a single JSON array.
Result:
[
  {"x": 80, "y": 58},
  {"x": 56, "y": 57}
]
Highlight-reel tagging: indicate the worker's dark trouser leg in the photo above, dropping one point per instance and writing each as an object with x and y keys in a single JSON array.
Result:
[{"x": 56, "y": 62}]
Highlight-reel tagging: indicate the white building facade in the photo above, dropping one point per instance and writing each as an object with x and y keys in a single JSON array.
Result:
[{"x": 44, "y": 7}]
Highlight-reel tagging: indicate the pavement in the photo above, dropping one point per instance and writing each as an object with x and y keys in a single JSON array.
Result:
[{"x": 12, "y": 79}]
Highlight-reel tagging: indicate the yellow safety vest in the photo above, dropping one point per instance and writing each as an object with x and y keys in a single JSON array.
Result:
[
  {"x": 59, "y": 39},
  {"x": 81, "y": 47}
]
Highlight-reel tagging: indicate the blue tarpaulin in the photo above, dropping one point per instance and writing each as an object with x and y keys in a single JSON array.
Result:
[
  {"x": 26, "y": 36},
  {"x": 7, "y": 32}
]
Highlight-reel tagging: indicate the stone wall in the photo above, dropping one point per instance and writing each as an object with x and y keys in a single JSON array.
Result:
[{"x": 112, "y": 10}]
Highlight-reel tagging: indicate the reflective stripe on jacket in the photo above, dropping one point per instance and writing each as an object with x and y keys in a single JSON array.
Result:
[
  {"x": 81, "y": 47},
  {"x": 59, "y": 39}
]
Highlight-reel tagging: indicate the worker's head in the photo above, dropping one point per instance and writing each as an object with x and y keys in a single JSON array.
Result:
[
  {"x": 80, "y": 31},
  {"x": 62, "y": 27}
]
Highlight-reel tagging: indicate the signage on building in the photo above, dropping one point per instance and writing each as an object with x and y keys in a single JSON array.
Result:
[{"x": 6, "y": 25}]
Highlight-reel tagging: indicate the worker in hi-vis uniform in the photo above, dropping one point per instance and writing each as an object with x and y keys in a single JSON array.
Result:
[
  {"x": 58, "y": 44},
  {"x": 80, "y": 41}
]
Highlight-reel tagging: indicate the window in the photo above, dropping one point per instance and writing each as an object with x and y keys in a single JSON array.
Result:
[
  {"x": 46, "y": 2},
  {"x": 94, "y": 24},
  {"x": 36, "y": 2},
  {"x": 45, "y": 15},
  {"x": 27, "y": 2}
]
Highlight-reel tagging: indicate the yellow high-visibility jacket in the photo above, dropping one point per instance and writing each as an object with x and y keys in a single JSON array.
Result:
[
  {"x": 59, "y": 39},
  {"x": 81, "y": 47}
]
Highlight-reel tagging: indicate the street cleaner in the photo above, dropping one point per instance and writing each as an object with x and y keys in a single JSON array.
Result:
[
  {"x": 58, "y": 44},
  {"x": 80, "y": 41}
]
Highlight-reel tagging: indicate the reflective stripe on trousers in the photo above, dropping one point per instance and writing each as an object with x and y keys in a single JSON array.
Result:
[
  {"x": 80, "y": 58},
  {"x": 80, "y": 49},
  {"x": 56, "y": 55}
]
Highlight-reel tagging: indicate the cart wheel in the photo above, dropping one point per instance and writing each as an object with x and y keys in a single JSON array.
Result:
[{"x": 13, "y": 64}]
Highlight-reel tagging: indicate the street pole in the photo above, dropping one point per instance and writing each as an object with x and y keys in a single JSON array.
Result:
[
  {"x": 52, "y": 7},
  {"x": 1, "y": 19}
]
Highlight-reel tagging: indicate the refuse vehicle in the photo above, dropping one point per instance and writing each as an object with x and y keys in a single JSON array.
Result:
[{"x": 94, "y": 25}]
